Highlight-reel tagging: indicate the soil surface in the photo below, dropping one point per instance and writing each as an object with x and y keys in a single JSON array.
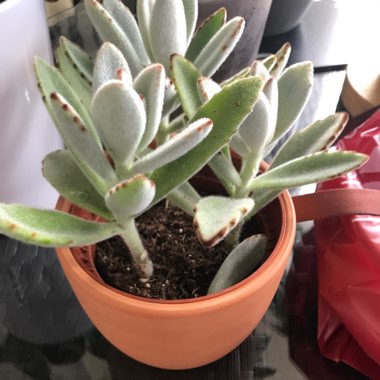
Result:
[{"x": 183, "y": 267}]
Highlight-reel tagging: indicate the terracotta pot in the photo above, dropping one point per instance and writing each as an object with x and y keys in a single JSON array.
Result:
[{"x": 179, "y": 334}]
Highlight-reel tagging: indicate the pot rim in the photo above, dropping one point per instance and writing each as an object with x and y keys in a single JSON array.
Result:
[{"x": 230, "y": 295}]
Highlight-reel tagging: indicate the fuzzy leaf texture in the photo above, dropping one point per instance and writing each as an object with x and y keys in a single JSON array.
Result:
[
  {"x": 308, "y": 169},
  {"x": 216, "y": 216},
  {"x": 225, "y": 170},
  {"x": 191, "y": 13},
  {"x": 150, "y": 83},
  {"x": 144, "y": 14},
  {"x": 119, "y": 116},
  {"x": 282, "y": 57},
  {"x": 269, "y": 61},
  {"x": 209, "y": 27},
  {"x": 244, "y": 73},
  {"x": 176, "y": 147},
  {"x": 258, "y": 68},
  {"x": 130, "y": 197},
  {"x": 60, "y": 169},
  {"x": 80, "y": 58},
  {"x": 76, "y": 66},
  {"x": 258, "y": 128},
  {"x": 168, "y": 33},
  {"x": 219, "y": 47},
  {"x": 239, "y": 146},
  {"x": 50, "y": 228},
  {"x": 239, "y": 264},
  {"x": 171, "y": 101},
  {"x": 109, "y": 30},
  {"x": 185, "y": 76},
  {"x": 108, "y": 60},
  {"x": 318, "y": 136},
  {"x": 50, "y": 80},
  {"x": 127, "y": 22},
  {"x": 227, "y": 110},
  {"x": 294, "y": 89},
  {"x": 270, "y": 90},
  {"x": 81, "y": 143},
  {"x": 207, "y": 88},
  {"x": 185, "y": 197}
]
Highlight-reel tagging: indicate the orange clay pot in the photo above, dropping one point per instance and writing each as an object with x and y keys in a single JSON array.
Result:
[{"x": 179, "y": 334}]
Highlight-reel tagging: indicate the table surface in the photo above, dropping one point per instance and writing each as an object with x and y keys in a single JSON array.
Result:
[{"x": 44, "y": 333}]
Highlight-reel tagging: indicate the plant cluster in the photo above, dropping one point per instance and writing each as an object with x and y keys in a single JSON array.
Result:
[{"x": 144, "y": 116}]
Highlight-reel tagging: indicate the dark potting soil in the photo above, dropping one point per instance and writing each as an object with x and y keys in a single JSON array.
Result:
[{"x": 183, "y": 267}]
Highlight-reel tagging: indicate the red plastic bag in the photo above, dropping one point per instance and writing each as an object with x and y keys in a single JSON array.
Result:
[{"x": 348, "y": 249}]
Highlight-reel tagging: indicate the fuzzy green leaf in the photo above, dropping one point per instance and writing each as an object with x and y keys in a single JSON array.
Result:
[
  {"x": 171, "y": 101},
  {"x": 150, "y": 83},
  {"x": 50, "y": 80},
  {"x": 282, "y": 57},
  {"x": 130, "y": 197},
  {"x": 127, "y": 22},
  {"x": 318, "y": 136},
  {"x": 176, "y": 147},
  {"x": 185, "y": 76},
  {"x": 191, "y": 14},
  {"x": 87, "y": 153},
  {"x": 207, "y": 88},
  {"x": 109, "y": 30},
  {"x": 240, "y": 263},
  {"x": 269, "y": 61},
  {"x": 184, "y": 197},
  {"x": 308, "y": 169},
  {"x": 205, "y": 32},
  {"x": 216, "y": 216},
  {"x": 258, "y": 128},
  {"x": 119, "y": 116},
  {"x": 227, "y": 110},
  {"x": 52, "y": 228},
  {"x": 239, "y": 146},
  {"x": 81, "y": 59},
  {"x": 168, "y": 31},
  {"x": 260, "y": 70},
  {"x": 244, "y": 73},
  {"x": 270, "y": 90},
  {"x": 108, "y": 60},
  {"x": 60, "y": 169},
  {"x": 294, "y": 89},
  {"x": 219, "y": 47},
  {"x": 76, "y": 66},
  {"x": 143, "y": 13},
  {"x": 177, "y": 123},
  {"x": 225, "y": 170}
]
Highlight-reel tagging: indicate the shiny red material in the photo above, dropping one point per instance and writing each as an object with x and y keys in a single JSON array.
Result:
[{"x": 349, "y": 266}]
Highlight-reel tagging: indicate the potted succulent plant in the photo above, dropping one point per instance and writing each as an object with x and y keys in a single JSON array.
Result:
[{"x": 139, "y": 122}]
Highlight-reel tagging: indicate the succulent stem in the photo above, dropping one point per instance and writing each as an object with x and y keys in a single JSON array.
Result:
[
  {"x": 248, "y": 171},
  {"x": 138, "y": 253}
]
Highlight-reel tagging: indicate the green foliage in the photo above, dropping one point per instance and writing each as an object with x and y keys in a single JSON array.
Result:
[
  {"x": 144, "y": 117},
  {"x": 240, "y": 263},
  {"x": 216, "y": 216},
  {"x": 205, "y": 32},
  {"x": 52, "y": 228},
  {"x": 314, "y": 168},
  {"x": 227, "y": 110}
]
